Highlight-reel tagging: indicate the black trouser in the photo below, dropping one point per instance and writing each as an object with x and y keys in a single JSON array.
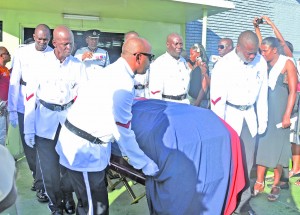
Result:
[
  {"x": 30, "y": 154},
  {"x": 90, "y": 186},
  {"x": 55, "y": 179},
  {"x": 248, "y": 149}
]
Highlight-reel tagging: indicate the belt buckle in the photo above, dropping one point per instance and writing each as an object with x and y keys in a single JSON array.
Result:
[
  {"x": 57, "y": 108},
  {"x": 139, "y": 87},
  {"x": 243, "y": 107},
  {"x": 182, "y": 97},
  {"x": 97, "y": 141}
]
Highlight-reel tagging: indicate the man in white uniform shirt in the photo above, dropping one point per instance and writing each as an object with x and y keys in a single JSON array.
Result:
[
  {"x": 238, "y": 82},
  {"x": 93, "y": 57},
  {"x": 26, "y": 65},
  {"x": 47, "y": 101},
  {"x": 84, "y": 144},
  {"x": 169, "y": 74}
]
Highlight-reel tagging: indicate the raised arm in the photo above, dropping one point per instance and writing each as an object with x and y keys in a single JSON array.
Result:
[{"x": 279, "y": 36}]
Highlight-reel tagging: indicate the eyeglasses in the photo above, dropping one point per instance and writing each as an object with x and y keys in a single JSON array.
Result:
[
  {"x": 221, "y": 46},
  {"x": 150, "y": 56}
]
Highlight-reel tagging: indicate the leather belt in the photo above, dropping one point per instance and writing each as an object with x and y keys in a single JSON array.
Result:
[
  {"x": 55, "y": 107},
  {"x": 139, "y": 87},
  {"x": 82, "y": 133},
  {"x": 239, "y": 107},
  {"x": 22, "y": 82},
  {"x": 179, "y": 97}
]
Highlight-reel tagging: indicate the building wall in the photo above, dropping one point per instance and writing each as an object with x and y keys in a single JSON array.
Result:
[
  {"x": 284, "y": 13},
  {"x": 15, "y": 21}
]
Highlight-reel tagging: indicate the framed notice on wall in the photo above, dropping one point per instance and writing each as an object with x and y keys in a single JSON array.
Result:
[{"x": 1, "y": 31}]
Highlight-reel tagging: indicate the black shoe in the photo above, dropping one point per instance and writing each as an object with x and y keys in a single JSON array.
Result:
[
  {"x": 70, "y": 207},
  {"x": 41, "y": 196},
  {"x": 33, "y": 188},
  {"x": 251, "y": 212},
  {"x": 69, "y": 203},
  {"x": 284, "y": 186},
  {"x": 57, "y": 212}
]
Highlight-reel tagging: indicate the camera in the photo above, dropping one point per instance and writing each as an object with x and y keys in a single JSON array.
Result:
[{"x": 259, "y": 21}]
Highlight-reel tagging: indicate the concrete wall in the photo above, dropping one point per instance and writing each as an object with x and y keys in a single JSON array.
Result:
[{"x": 284, "y": 13}]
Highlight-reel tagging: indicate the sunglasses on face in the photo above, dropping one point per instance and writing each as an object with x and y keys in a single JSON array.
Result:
[
  {"x": 221, "y": 46},
  {"x": 150, "y": 56}
]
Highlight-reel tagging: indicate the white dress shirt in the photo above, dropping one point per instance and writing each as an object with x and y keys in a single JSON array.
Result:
[
  {"x": 99, "y": 60},
  {"x": 57, "y": 85},
  {"x": 26, "y": 66},
  {"x": 103, "y": 109},
  {"x": 240, "y": 84},
  {"x": 141, "y": 85},
  {"x": 170, "y": 77}
]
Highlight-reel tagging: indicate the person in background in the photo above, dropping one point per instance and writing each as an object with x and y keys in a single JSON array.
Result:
[
  {"x": 169, "y": 74},
  {"x": 285, "y": 48},
  {"x": 130, "y": 34},
  {"x": 238, "y": 83},
  {"x": 199, "y": 80},
  {"x": 4, "y": 85},
  {"x": 266, "y": 20},
  {"x": 26, "y": 66},
  {"x": 93, "y": 57},
  {"x": 48, "y": 99},
  {"x": 141, "y": 81},
  {"x": 273, "y": 148},
  {"x": 225, "y": 45}
]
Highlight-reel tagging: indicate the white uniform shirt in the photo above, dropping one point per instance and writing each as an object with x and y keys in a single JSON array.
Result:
[
  {"x": 99, "y": 60},
  {"x": 57, "y": 85},
  {"x": 93, "y": 113},
  {"x": 103, "y": 110},
  {"x": 240, "y": 84},
  {"x": 142, "y": 81},
  {"x": 170, "y": 77},
  {"x": 26, "y": 66}
]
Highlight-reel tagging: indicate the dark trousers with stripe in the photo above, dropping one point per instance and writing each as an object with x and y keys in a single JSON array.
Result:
[
  {"x": 56, "y": 181},
  {"x": 30, "y": 154},
  {"x": 248, "y": 149},
  {"x": 90, "y": 187}
]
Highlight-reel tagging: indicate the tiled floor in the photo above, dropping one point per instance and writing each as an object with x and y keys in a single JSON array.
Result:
[{"x": 288, "y": 203}]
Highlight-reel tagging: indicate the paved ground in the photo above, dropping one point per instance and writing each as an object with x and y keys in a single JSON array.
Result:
[{"x": 288, "y": 203}]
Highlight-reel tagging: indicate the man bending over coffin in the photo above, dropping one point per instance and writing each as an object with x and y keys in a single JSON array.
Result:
[{"x": 101, "y": 113}]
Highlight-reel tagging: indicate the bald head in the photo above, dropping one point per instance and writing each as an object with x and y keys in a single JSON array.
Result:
[
  {"x": 63, "y": 41},
  {"x": 174, "y": 45},
  {"x": 248, "y": 37},
  {"x": 130, "y": 34},
  {"x": 137, "y": 53},
  {"x": 225, "y": 46},
  {"x": 41, "y": 37},
  {"x": 135, "y": 45},
  {"x": 247, "y": 46}
]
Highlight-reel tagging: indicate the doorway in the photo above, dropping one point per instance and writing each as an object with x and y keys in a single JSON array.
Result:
[{"x": 111, "y": 42}]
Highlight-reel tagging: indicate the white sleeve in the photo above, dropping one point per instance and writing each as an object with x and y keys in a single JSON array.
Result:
[
  {"x": 78, "y": 55},
  {"x": 155, "y": 81},
  {"x": 30, "y": 103},
  {"x": 218, "y": 90},
  {"x": 124, "y": 135}
]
